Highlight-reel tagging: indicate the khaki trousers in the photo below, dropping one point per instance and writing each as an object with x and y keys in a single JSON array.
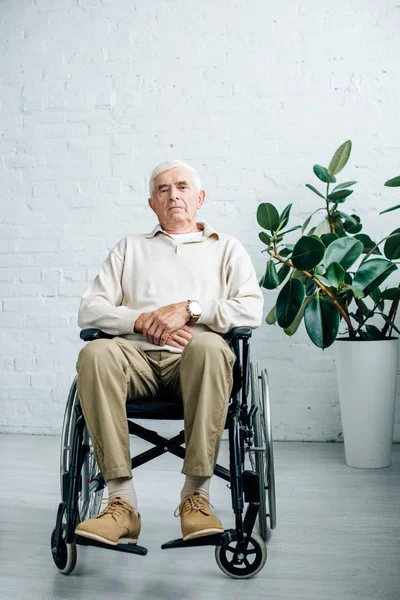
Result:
[{"x": 111, "y": 371}]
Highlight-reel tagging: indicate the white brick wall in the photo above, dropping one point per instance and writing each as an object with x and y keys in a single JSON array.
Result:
[{"x": 94, "y": 93}]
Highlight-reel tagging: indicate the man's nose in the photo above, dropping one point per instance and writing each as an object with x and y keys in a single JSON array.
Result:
[{"x": 174, "y": 192}]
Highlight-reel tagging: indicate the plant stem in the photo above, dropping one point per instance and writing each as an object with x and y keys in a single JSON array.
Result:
[
  {"x": 392, "y": 316},
  {"x": 321, "y": 286},
  {"x": 331, "y": 225}
]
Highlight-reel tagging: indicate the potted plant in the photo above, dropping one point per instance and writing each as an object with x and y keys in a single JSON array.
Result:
[{"x": 332, "y": 278}]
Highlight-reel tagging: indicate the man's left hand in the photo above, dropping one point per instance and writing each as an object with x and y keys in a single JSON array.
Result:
[{"x": 163, "y": 321}]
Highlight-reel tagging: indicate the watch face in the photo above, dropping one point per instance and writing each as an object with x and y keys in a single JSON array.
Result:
[{"x": 195, "y": 308}]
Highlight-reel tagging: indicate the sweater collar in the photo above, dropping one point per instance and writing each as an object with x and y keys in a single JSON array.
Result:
[{"x": 208, "y": 230}]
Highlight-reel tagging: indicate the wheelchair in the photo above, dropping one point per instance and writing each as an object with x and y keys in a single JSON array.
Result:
[{"x": 241, "y": 551}]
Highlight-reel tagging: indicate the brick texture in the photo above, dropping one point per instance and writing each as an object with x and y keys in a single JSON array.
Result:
[{"x": 94, "y": 93}]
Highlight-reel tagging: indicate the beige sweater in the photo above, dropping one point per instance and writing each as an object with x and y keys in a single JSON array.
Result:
[{"x": 147, "y": 271}]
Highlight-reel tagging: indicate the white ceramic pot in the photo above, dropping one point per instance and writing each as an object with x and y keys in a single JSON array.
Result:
[{"x": 367, "y": 374}]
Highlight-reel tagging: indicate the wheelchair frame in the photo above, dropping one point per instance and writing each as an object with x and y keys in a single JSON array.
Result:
[{"x": 246, "y": 424}]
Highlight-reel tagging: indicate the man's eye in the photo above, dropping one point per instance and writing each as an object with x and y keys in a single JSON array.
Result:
[{"x": 183, "y": 187}]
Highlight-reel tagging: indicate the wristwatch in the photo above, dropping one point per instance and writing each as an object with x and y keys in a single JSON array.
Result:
[{"x": 194, "y": 310}]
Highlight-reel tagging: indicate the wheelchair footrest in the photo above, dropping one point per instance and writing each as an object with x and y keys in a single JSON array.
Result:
[
  {"x": 221, "y": 539},
  {"x": 130, "y": 548}
]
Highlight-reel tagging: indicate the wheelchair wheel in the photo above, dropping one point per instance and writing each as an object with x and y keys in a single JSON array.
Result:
[
  {"x": 263, "y": 459},
  {"x": 64, "y": 555},
  {"x": 242, "y": 564},
  {"x": 91, "y": 488}
]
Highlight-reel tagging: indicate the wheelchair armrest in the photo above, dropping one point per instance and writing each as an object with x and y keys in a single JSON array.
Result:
[
  {"x": 88, "y": 335},
  {"x": 237, "y": 332}
]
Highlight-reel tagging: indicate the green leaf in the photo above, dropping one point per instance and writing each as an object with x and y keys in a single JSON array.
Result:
[
  {"x": 268, "y": 216},
  {"x": 284, "y": 216},
  {"x": 312, "y": 188},
  {"x": 373, "y": 332},
  {"x": 323, "y": 280},
  {"x": 391, "y": 248},
  {"x": 299, "y": 275},
  {"x": 363, "y": 309},
  {"x": 390, "y": 209},
  {"x": 338, "y": 226},
  {"x": 350, "y": 227},
  {"x": 293, "y": 327},
  {"x": 265, "y": 238},
  {"x": 367, "y": 243},
  {"x": 348, "y": 217},
  {"x": 307, "y": 253},
  {"x": 340, "y": 158},
  {"x": 335, "y": 274},
  {"x": 323, "y": 228},
  {"x": 340, "y": 195},
  {"x": 322, "y": 174},
  {"x": 270, "y": 281},
  {"x": 310, "y": 286},
  {"x": 391, "y": 294},
  {"x": 306, "y": 222},
  {"x": 291, "y": 229},
  {"x": 376, "y": 295},
  {"x": 285, "y": 252},
  {"x": 283, "y": 273},
  {"x": 328, "y": 238},
  {"x": 358, "y": 293},
  {"x": 395, "y": 182},
  {"x": 289, "y": 302},
  {"x": 341, "y": 186},
  {"x": 357, "y": 317},
  {"x": 372, "y": 273},
  {"x": 344, "y": 251},
  {"x": 271, "y": 316},
  {"x": 321, "y": 319}
]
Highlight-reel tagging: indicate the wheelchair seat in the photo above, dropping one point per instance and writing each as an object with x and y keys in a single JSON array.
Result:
[{"x": 164, "y": 406}]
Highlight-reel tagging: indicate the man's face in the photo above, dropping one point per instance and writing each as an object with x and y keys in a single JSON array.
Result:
[{"x": 175, "y": 199}]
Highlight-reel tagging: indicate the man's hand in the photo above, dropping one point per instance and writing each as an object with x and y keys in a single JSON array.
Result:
[
  {"x": 139, "y": 322},
  {"x": 166, "y": 325},
  {"x": 181, "y": 337},
  {"x": 159, "y": 325}
]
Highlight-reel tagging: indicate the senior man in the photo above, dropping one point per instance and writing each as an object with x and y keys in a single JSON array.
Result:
[{"x": 167, "y": 297}]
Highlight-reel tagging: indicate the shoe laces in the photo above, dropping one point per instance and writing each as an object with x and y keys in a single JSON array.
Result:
[
  {"x": 115, "y": 507},
  {"x": 194, "y": 502}
]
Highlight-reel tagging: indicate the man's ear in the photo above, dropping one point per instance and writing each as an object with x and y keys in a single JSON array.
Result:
[
  {"x": 202, "y": 196},
  {"x": 152, "y": 205}
]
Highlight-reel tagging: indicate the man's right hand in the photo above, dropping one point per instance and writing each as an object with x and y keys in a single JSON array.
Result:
[
  {"x": 181, "y": 337},
  {"x": 177, "y": 339}
]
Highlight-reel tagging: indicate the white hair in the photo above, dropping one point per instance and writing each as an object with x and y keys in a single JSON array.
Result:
[{"x": 171, "y": 164}]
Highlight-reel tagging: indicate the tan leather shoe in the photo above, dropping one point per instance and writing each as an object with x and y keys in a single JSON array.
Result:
[
  {"x": 197, "y": 520},
  {"x": 116, "y": 524}
]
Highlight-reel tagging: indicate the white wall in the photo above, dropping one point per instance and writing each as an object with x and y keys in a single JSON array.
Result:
[{"x": 94, "y": 93}]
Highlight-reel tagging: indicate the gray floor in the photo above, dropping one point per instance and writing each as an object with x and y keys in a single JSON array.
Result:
[{"x": 337, "y": 535}]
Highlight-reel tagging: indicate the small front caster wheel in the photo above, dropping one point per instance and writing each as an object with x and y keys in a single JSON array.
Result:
[
  {"x": 65, "y": 554},
  {"x": 242, "y": 564}
]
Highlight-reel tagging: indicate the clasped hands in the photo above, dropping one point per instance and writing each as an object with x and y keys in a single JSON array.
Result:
[{"x": 166, "y": 325}]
